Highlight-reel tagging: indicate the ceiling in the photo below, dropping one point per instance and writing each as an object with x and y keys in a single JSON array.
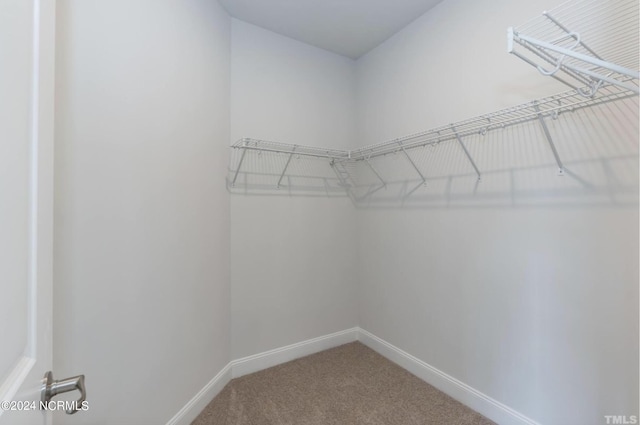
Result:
[{"x": 348, "y": 27}]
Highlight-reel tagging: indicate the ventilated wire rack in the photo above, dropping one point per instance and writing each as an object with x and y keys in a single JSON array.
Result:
[
  {"x": 550, "y": 106},
  {"x": 583, "y": 44},
  {"x": 592, "y": 46},
  {"x": 259, "y": 164}
]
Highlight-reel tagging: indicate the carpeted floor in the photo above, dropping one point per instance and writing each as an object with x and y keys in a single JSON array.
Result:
[{"x": 347, "y": 385}]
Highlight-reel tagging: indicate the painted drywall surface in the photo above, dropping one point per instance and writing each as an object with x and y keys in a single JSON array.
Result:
[
  {"x": 533, "y": 301},
  {"x": 293, "y": 272},
  {"x": 536, "y": 308},
  {"x": 288, "y": 91},
  {"x": 448, "y": 65},
  {"x": 141, "y": 210}
]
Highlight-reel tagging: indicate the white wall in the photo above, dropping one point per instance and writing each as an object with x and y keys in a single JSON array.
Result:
[
  {"x": 534, "y": 304},
  {"x": 293, "y": 272},
  {"x": 449, "y": 64},
  {"x": 141, "y": 210},
  {"x": 288, "y": 91}
]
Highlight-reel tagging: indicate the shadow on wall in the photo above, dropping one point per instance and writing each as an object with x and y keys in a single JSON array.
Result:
[{"x": 598, "y": 147}]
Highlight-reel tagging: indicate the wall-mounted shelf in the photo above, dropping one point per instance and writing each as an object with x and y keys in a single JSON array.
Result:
[
  {"x": 591, "y": 46},
  {"x": 265, "y": 165},
  {"x": 583, "y": 44},
  {"x": 262, "y": 165}
]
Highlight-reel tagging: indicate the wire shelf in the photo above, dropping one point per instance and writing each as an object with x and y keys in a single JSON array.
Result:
[
  {"x": 265, "y": 165},
  {"x": 261, "y": 166},
  {"x": 583, "y": 44},
  {"x": 546, "y": 107}
]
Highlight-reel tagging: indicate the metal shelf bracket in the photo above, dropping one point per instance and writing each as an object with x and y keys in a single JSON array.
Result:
[
  {"x": 424, "y": 180},
  {"x": 340, "y": 173},
  {"x": 244, "y": 151},
  {"x": 384, "y": 184},
  {"x": 286, "y": 166},
  {"x": 466, "y": 152},
  {"x": 547, "y": 135}
]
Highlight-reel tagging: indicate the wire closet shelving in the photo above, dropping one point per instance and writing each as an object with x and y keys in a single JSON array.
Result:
[
  {"x": 572, "y": 34},
  {"x": 583, "y": 44}
]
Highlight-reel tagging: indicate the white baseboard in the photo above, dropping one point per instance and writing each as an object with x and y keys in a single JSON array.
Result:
[
  {"x": 255, "y": 363},
  {"x": 192, "y": 409},
  {"x": 281, "y": 355},
  {"x": 460, "y": 391}
]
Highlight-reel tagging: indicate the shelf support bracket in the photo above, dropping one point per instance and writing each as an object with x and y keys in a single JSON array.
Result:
[
  {"x": 384, "y": 184},
  {"x": 286, "y": 166},
  {"x": 235, "y": 176},
  {"x": 343, "y": 181},
  {"x": 547, "y": 135},
  {"x": 424, "y": 180},
  {"x": 466, "y": 152}
]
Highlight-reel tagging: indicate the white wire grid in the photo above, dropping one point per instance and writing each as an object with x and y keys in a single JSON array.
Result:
[
  {"x": 265, "y": 166},
  {"x": 464, "y": 150},
  {"x": 598, "y": 146},
  {"x": 583, "y": 44}
]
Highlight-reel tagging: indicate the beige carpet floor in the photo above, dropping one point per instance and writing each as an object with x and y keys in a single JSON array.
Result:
[{"x": 346, "y": 385}]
